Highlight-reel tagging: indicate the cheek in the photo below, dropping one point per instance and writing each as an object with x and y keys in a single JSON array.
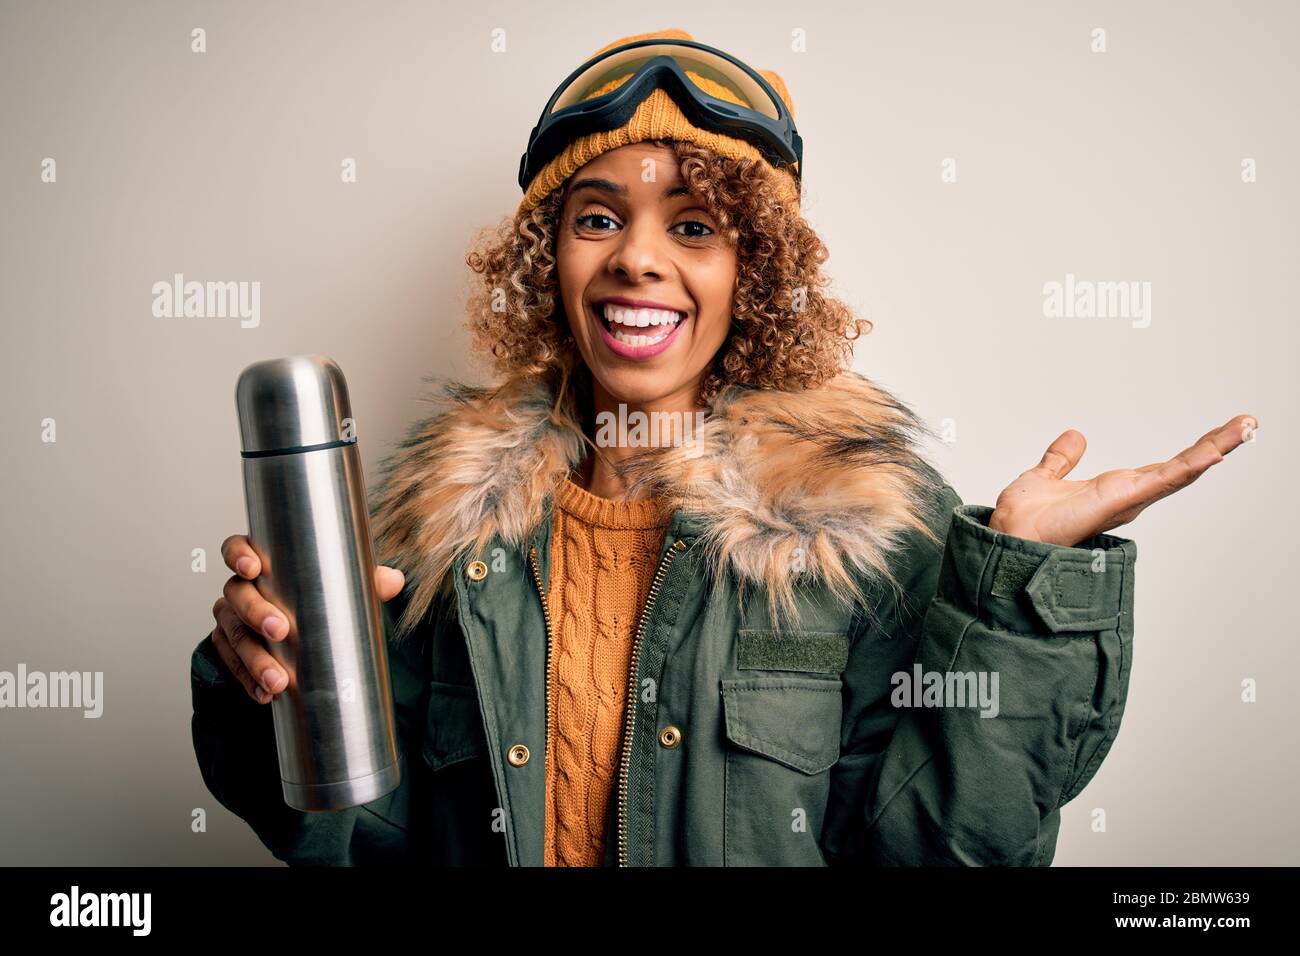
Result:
[
  {"x": 568, "y": 276},
  {"x": 716, "y": 298}
]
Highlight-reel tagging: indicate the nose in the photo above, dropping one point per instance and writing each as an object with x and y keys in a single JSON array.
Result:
[{"x": 639, "y": 253}]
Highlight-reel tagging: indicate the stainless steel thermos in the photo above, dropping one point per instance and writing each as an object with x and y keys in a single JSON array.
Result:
[{"x": 308, "y": 522}]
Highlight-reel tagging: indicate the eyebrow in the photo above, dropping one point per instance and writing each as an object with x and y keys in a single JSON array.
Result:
[{"x": 608, "y": 186}]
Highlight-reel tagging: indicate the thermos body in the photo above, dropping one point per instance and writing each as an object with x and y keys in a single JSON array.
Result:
[{"x": 308, "y": 522}]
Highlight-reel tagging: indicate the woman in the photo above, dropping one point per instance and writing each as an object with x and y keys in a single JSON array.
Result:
[{"x": 678, "y": 587}]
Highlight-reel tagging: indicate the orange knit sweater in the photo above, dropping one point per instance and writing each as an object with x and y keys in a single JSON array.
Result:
[{"x": 603, "y": 557}]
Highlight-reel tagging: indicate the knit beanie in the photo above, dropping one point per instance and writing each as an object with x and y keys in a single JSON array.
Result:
[{"x": 659, "y": 117}]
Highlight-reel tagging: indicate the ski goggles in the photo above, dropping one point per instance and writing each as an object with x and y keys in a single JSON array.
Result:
[{"x": 763, "y": 120}]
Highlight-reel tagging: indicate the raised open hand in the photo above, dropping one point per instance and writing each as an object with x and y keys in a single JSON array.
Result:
[{"x": 1041, "y": 505}]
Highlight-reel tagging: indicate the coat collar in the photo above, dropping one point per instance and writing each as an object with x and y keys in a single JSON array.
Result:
[{"x": 778, "y": 487}]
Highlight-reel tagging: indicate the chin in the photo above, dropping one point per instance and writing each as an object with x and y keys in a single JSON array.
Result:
[{"x": 636, "y": 386}]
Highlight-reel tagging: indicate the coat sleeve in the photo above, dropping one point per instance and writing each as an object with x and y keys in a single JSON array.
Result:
[
  {"x": 946, "y": 785},
  {"x": 234, "y": 742}
]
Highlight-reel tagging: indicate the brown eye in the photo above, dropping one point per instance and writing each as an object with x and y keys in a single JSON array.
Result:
[
  {"x": 594, "y": 215},
  {"x": 694, "y": 222}
]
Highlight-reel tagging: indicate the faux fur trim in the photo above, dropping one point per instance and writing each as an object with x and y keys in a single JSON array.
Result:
[{"x": 789, "y": 488}]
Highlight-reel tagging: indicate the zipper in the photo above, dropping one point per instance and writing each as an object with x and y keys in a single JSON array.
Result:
[
  {"x": 546, "y": 615},
  {"x": 630, "y": 722}
]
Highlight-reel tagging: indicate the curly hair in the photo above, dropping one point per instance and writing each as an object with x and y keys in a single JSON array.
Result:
[{"x": 786, "y": 332}]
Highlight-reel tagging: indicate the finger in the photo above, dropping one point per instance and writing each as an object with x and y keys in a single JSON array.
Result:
[
  {"x": 388, "y": 582},
  {"x": 245, "y": 642},
  {"x": 240, "y": 556},
  {"x": 1062, "y": 455},
  {"x": 1226, "y": 437},
  {"x": 235, "y": 665},
  {"x": 1160, "y": 479},
  {"x": 1249, "y": 425},
  {"x": 256, "y": 611}
]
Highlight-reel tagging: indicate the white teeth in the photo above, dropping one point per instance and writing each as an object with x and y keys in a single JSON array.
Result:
[
  {"x": 640, "y": 318},
  {"x": 640, "y": 340},
  {"x": 623, "y": 319}
]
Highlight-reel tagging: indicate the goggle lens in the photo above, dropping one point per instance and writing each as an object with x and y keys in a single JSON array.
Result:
[{"x": 714, "y": 68}]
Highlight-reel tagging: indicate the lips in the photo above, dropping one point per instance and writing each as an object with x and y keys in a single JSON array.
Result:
[{"x": 629, "y": 350}]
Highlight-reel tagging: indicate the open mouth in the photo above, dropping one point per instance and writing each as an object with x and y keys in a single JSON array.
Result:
[{"x": 637, "y": 328}]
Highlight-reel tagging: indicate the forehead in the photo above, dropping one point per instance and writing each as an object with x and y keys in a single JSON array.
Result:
[{"x": 625, "y": 164}]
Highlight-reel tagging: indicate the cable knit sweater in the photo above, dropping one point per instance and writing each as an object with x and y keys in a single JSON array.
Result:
[{"x": 603, "y": 560}]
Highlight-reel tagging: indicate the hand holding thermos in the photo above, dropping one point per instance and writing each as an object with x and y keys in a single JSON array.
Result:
[
  {"x": 246, "y": 620},
  {"x": 300, "y": 623}
]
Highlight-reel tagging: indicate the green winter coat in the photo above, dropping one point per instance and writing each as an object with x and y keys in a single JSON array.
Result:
[{"x": 767, "y": 719}]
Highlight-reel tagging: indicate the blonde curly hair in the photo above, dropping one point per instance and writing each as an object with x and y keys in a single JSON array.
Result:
[{"x": 786, "y": 332}]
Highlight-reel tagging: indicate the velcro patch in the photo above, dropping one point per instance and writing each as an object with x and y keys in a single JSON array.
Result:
[
  {"x": 812, "y": 652},
  {"x": 1013, "y": 572}
]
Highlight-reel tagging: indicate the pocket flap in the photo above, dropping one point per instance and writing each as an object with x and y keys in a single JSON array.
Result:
[
  {"x": 453, "y": 725},
  {"x": 793, "y": 720}
]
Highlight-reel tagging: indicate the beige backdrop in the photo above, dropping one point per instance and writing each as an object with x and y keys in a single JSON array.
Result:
[{"x": 1117, "y": 166}]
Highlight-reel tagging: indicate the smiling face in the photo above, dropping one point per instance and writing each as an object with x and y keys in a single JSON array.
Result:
[{"x": 646, "y": 277}]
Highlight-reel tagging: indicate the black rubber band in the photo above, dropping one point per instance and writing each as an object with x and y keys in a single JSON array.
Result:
[{"x": 297, "y": 449}]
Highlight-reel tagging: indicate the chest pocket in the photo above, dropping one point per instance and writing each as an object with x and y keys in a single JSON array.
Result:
[
  {"x": 453, "y": 725},
  {"x": 783, "y": 736}
]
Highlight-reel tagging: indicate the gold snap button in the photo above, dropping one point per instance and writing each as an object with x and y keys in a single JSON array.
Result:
[
  {"x": 670, "y": 736},
  {"x": 477, "y": 571},
  {"x": 518, "y": 755}
]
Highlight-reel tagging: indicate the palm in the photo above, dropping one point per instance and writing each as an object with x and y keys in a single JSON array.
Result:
[{"x": 1041, "y": 505}]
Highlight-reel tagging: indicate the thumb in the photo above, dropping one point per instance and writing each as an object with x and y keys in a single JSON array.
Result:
[
  {"x": 388, "y": 582},
  {"x": 1062, "y": 455}
]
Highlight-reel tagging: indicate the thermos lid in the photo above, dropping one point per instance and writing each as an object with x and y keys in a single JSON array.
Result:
[{"x": 292, "y": 404}]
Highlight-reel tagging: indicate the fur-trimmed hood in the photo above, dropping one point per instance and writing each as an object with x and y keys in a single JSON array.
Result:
[{"x": 783, "y": 487}]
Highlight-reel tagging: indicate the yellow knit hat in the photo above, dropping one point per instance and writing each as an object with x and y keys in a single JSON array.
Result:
[{"x": 658, "y": 117}]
